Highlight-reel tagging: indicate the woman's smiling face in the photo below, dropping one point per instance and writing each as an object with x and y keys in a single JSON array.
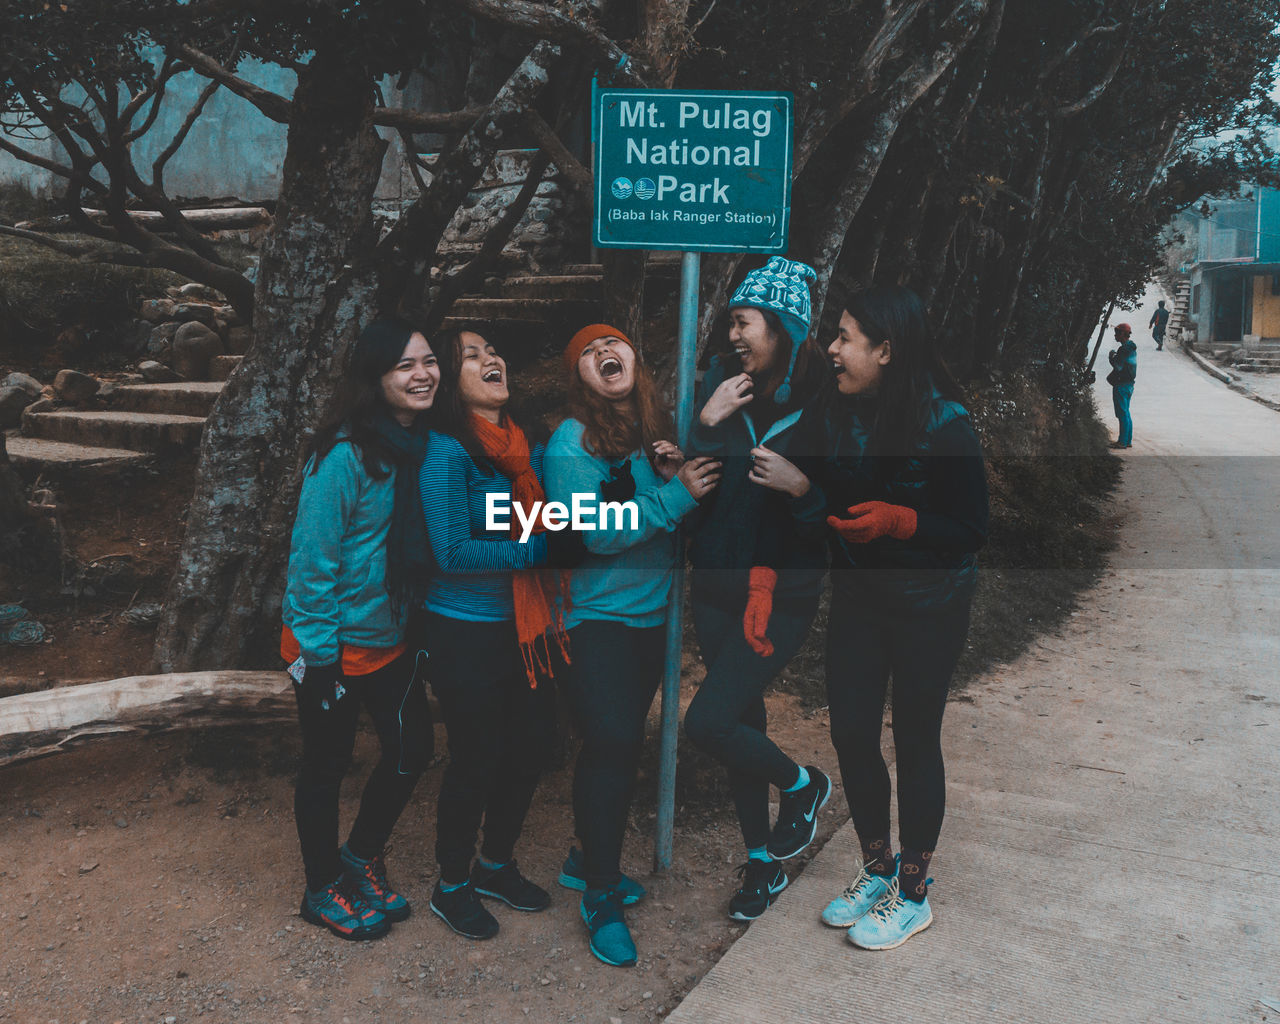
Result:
[
  {"x": 410, "y": 386},
  {"x": 857, "y": 361},
  {"x": 482, "y": 376},
  {"x": 608, "y": 367},
  {"x": 756, "y": 346}
]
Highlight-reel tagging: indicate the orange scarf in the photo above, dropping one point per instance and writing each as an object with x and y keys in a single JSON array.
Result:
[{"x": 534, "y": 591}]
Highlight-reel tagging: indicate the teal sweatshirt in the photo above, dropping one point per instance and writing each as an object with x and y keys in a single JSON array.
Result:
[
  {"x": 626, "y": 576},
  {"x": 336, "y": 591}
]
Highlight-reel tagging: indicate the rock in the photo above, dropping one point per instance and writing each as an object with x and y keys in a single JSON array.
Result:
[
  {"x": 38, "y": 406},
  {"x": 13, "y": 400},
  {"x": 21, "y": 380},
  {"x": 106, "y": 391},
  {"x": 134, "y": 338},
  {"x": 196, "y": 312},
  {"x": 157, "y": 373},
  {"x": 229, "y": 314},
  {"x": 238, "y": 340},
  {"x": 160, "y": 344},
  {"x": 201, "y": 292},
  {"x": 74, "y": 386},
  {"x": 157, "y": 311},
  {"x": 193, "y": 346}
]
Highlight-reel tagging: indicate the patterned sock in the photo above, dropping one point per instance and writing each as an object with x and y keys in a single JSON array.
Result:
[
  {"x": 802, "y": 780},
  {"x": 877, "y": 855},
  {"x": 913, "y": 874},
  {"x": 759, "y": 853}
]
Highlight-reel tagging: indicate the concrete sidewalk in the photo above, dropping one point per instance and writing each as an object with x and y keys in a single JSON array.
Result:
[{"x": 1113, "y": 828}]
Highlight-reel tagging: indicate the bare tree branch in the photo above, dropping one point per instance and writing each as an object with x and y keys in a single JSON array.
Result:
[
  {"x": 568, "y": 164},
  {"x": 424, "y": 121},
  {"x": 52, "y": 166},
  {"x": 272, "y": 104},
  {"x": 66, "y": 248},
  {"x": 1093, "y": 95},
  {"x": 1056, "y": 62},
  {"x": 158, "y": 165},
  {"x": 550, "y": 23}
]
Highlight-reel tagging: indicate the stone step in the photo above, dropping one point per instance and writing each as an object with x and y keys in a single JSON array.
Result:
[
  {"x": 481, "y": 308},
  {"x": 572, "y": 287},
  {"x": 189, "y": 398},
  {"x": 222, "y": 367},
  {"x": 594, "y": 269},
  {"x": 137, "y": 431},
  {"x": 36, "y": 456},
  {"x": 1257, "y": 367}
]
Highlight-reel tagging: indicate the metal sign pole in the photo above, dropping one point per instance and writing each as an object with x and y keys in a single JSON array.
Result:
[{"x": 686, "y": 356}]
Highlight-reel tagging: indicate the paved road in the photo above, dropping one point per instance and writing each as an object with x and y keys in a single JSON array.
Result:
[{"x": 1112, "y": 845}]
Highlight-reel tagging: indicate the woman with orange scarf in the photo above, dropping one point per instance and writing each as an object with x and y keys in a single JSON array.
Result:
[{"x": 495, "y": 632}]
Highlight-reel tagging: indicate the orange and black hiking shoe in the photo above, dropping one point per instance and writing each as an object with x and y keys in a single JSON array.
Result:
[
  {"x": 344, "y": 913},
  {"x": 368, "y": 878}
]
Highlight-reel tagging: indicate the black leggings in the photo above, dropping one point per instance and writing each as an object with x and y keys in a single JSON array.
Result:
[
  {"x": 501, "y": 734},
  {"x": 727, "y": 716},
  {"x": 396, "y": 699},
  {"x": 610, "y": 685},
  {"x": 867, "y": 641}
]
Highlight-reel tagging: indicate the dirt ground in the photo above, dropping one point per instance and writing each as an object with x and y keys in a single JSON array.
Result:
[{"x": 157, "y": 880}]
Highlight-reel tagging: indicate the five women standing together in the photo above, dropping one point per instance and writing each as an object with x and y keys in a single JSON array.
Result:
[{"x": 861, "y": 456}]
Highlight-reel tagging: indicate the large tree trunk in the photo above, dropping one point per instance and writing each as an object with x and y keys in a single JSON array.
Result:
[{"x": 315, "y": 290}]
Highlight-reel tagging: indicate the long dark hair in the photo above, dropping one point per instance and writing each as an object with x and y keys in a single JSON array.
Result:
[
  {"x": 612, "y": 431},
  {"x": 808, "y": 377},
  {"x": 894, "y": 313},
  {"x": 451, "y": 413},
  {"x": 360, "y": 400}
]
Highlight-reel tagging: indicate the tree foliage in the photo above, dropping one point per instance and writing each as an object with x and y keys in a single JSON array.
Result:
[{"x": 1014, "y": 161}]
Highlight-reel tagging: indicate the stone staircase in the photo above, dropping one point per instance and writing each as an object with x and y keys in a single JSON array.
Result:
[
  {"x": 1259, "y": 356},
  {"x": 536, "y": 314},
  {"x": 142, "y": 421}
]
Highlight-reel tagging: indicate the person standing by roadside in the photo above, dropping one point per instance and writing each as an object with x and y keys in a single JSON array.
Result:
[
  {"x": 1157, "y": 324},
  {"x": 493, "y": 622},
  {"x": 754, "y": 396},
  {"x": 1123, "y": 375},
  {"x": 894, "y": 469},
  {"x": 357, "y": 557},
  {"x": 616, "y": 447}
]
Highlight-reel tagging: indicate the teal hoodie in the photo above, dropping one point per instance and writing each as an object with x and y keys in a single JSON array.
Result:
[
  {"x": 626, "y": 576},
  {"x": 336, "y": 592}
]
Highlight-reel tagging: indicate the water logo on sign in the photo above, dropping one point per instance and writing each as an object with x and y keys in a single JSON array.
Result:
[
  {"x": 621, "y": 188},
  {"x": 646, "y": 188}
]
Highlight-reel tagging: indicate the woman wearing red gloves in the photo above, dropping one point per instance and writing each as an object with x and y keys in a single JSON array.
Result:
[
  {"x": 752, "y": 396},
  {"x": 898, "y": 479}
]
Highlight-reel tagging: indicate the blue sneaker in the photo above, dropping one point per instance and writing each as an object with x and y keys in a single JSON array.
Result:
[
  {"x": 572, "y": 876},
  {"x": 610, "y": 937},
  {"x": 863, "y": 893},
  {"x": 891, "y": 921},
  {"x": 344, "y": 913},
  {"x": 369, "y": 880}
]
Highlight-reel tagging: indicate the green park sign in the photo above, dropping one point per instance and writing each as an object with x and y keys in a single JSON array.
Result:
[{"x": 704, "y": 171}]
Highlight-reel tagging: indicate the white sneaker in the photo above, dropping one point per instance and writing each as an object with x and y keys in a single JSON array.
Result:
[
  {"x": 863, "y": 893},
  {"x": 891, "y": 921}
]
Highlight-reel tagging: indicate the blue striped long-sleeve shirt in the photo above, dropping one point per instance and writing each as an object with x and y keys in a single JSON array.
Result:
[{"x": 475, "y": 564}]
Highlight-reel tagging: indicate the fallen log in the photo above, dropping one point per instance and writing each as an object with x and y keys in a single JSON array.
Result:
[
  {"x": 38, "y": 724},
  {"x": 212, "y": 219}
]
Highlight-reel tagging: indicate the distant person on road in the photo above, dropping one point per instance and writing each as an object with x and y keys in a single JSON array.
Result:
[
  {"x": 616, "y": 447},
  {"x": 1124, "y": 372},
  {"x": 1158, "y": 322},
  {"x": 891, "y": 471},
  {"x": 358, "y": 553}
]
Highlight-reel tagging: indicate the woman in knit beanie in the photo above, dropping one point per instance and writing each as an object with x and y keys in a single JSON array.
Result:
[
  {"x": 753, "y": 398},
  {"x": 616, "y": 447}
]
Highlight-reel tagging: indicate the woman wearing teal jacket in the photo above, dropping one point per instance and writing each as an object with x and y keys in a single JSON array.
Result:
[
  {"x": 616, "y": 448},
  {"x": 358, "y": 552}
]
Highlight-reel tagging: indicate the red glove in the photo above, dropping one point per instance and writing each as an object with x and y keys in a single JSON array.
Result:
[
  {"x": 755, "y": 620},
  {"x": 874, "y": 519}
]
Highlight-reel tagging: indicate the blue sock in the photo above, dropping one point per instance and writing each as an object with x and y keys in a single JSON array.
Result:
[
  {"x": 447, "y": 887},
  {"x": 346, "y": 850},
  {"x": 759, "y": 853},
  {"x": 489, "y": 865},
  {"x": 802, "y": 780}
]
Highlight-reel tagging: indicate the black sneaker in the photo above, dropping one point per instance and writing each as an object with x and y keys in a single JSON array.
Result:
[
  {"x": 507, "y": 884},
  {"x": 798, "y": 816},
  {"x": 762, "y": 881},
  {"x": 462, "y": 911}
]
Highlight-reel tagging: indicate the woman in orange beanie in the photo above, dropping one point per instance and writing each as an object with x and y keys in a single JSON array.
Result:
[{"x": 616, "y": 447}]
